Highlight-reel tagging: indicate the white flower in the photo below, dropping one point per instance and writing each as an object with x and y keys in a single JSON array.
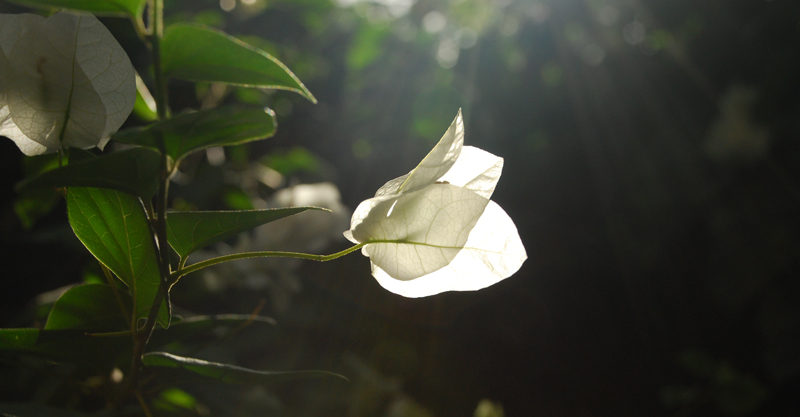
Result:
[
  {"x": 435, "y": 229},
  {"x": 64, "y": 81}
]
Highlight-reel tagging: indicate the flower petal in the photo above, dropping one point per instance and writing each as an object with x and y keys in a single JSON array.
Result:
[
  {"x": 438, "y": 161},
  {"x": 417, "y": 233},
  {"x": 68, "y": 69},
  {"x": 475, "y": 170},
  {"x": 12, "y": 27},
  {"x": 493, "y": 252}
]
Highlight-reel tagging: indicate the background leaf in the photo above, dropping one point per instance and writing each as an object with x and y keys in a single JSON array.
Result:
[
  {"x": 133, "y": 171},
  {"x": 206, "y": 328},
  {"x": 113, "y": 226},
  {"x": 131, "y": 7},
  {"x": 91, "y": 307},
  {"x": 190, "y": 370},
  {"x": 36, "y": 410},
  {"x": 74, "y": 346},
  {"x": 188, "y": 231},
  {"x": 190, "y": 132},
  {"x": 198, "y": 53},
  {"x": 145, "y": 105}
]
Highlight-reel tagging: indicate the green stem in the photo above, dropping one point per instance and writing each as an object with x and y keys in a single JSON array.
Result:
[
  {"x": 265, "y": 254},
  {"x": 160, "y": 233}
]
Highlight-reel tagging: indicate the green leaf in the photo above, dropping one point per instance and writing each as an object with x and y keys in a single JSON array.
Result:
[
  {"x": 91, "y": 307},
  {"x": 190, "y": 370},
  {"x": 36, "y": 410},
  {"x": 113, "y": 226},
  {"x": 130, "y": 7},
  {"x": 73, "y": 346},
  {"x": 133, "y": 171},
  {"x": 190, "y": 132},
  {"x": 188, "y": 231},
  {"x": 203, "y": 328},
  {"x": 199, "y": 53}
]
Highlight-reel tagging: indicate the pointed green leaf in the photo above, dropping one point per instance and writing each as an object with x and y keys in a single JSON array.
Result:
[
  {"x": 133, "y": 171},
  {"x": 190, "y": 370},
  {"x": 203, "y": 328},
  {"x": 74, "y": 346},
  {"x": 91, "y": 307},
  {"x": 199, "y": 53},
  {"x": 130, "y": 7},
  {"x": 190, "y": 132},
  {"x": 188, "y": 231},
  {"x": 113, "y": 226}
]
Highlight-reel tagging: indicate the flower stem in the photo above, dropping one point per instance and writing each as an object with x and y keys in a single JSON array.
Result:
[{"x": 264, "y": 254}]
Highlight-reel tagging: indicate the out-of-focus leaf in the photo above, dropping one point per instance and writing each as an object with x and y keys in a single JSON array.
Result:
[
  {"x": 177, "y": 397},
  {"x": 64, "y": 82},
  {"x": 366, "y": 46},
  {"x": 113, "y": 226},
  {"x": 145, "y": 105},
  {"x": 34, "y": 205},
  {"x": 73, "y": 346},
  {"x": 130, "y": 7},
  {"x": 290, "y": 162},
  {"x": 133, "y": 171},
  {"x": 198, "y": 53},
  {"x": 190, "y": 132},
  {"x": 91, "y": 307},
  {"x": 188, "y": 231},
  {"x": 198, "y": 370},
  {"x": 36, "y": 410},
  {"x": 203, "y": 327},
  {"x": 237, "y": 199}
]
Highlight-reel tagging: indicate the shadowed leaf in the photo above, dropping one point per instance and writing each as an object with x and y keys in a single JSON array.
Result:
[
  {"x": 205, "y": 328},
  {"x": 133, "y": 171},
  {"x": 197, "y": 370},
  {"x": 190, "y": 132},
  {"x": 73, "y": 346},
  {"x": 36, "y": 410},
  {"x": 90, "y": 307}
]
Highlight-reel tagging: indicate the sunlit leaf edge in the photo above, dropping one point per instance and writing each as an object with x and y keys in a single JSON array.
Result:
[{"x": 303, "y": 90}]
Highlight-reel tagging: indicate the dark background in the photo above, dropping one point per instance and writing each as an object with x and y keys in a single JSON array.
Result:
[{"x": 651, "y": 167}]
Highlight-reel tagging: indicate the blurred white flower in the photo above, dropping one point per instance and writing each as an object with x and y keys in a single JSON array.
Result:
[
  {"x": 64, "y": 82},
  {"x": 435, "y": 229},
  {"x": 312, "y": 231}
]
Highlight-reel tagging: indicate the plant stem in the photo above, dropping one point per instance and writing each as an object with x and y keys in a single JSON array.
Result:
[
  {"x": 265, "y": 254},
  {"x": 159, "y": 225}
]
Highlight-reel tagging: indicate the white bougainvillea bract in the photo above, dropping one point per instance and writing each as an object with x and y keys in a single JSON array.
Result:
[
  {"x": 64, "y": 82},
  {"x": 435, "y": 229}
]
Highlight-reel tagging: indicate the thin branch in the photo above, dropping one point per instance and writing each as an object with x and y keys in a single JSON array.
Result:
[{"x": 263, "y": 254}]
